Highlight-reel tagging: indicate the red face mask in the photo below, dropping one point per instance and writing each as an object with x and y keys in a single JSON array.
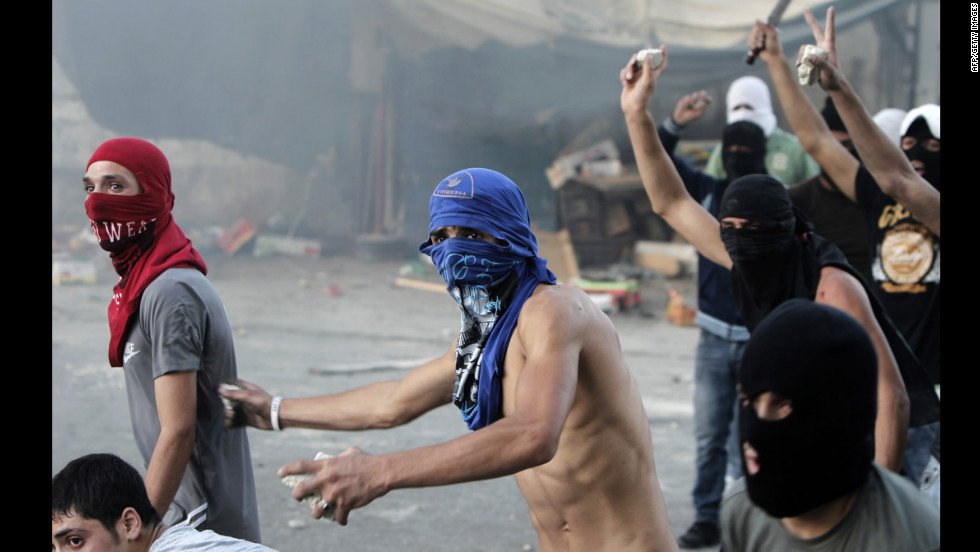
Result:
[
  {"x": 138, "y": 231},
  {"x": 124, "y": 225}
]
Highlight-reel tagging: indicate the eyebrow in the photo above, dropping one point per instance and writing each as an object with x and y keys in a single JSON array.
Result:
[
  {"x": 104, "y": 177},
  {"x": 64, "y": 532}
]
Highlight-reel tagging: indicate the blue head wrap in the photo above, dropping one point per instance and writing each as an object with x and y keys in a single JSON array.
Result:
[{"x": 477, "y": 271}]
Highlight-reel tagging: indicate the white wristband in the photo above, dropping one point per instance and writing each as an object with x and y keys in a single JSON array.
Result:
[{"x": 274, "y": 413}]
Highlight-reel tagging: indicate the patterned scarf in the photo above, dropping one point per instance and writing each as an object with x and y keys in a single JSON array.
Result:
[{"x": 490, "y": 282}]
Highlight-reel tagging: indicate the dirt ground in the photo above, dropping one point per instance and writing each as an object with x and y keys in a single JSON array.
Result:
[{"x": 311, "y": 326}]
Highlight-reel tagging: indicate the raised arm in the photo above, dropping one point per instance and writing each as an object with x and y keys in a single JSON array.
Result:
[
  {"x": 807, "y": 123},
  {"x": 551, "y": 334},
  {"x": 690, "y": 107},
  {"x": 839, "y": 289},
  {"x": 663, "y": 185},
  {"x": 887, "y": 163},
  {"x": 374, "y": 406}
]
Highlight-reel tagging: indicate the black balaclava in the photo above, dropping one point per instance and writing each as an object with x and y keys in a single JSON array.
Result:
[
  {"x": 919, "y": 129},
  {"x": 824, "y": 362},
  {"x": 768, "y": 260},
  {"x": 741, "y": 163}
]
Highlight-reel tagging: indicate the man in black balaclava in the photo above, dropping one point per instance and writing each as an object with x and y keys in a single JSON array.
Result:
[
  {"x": 723, "y": 334},
  {"x": 920, "y": 142},
  {"x": 743, "y": 149},
  {"x": 776, "y": 258},
  {"x": 807, "y": 388},
  {"x": 897, "y": 189}
]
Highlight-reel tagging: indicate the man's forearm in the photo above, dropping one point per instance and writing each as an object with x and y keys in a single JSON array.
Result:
[
  {"x": 810, "y": 128},
  {"x": 879, "y": 155},
  {"x": 167, "y": 466},
  {"x": 891, "y": 426},
  {"x": 500, "y": 449},
  {"x": 652, "y": 162},
  {"x": 668, "y": 196},
  {"x": 354, "y": 410},
  {"x": 804, "y": 119},
  {"x": 378, "y": 405},
  {"x": 884, "y": 159}
]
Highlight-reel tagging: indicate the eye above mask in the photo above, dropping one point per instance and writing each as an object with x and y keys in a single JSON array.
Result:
[{"x": 824, "y": 448}]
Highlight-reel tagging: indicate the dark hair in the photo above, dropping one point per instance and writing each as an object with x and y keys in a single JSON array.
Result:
[{"x": 100, "y": 487}]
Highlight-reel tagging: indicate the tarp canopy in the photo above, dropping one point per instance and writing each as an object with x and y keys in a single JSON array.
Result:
[{"x": 701, "y": 24}]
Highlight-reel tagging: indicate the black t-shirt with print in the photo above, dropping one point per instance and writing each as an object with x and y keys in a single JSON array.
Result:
[{"x": 904, "y": 269}]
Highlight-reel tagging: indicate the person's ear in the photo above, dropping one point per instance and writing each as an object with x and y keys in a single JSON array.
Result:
[{"x": 130, "y": 524}]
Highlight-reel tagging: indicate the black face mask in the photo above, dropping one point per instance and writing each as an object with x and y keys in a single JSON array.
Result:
[
  {"x": 750, "y": 158},
  {"x": 762, "y": 200},
  {"x": 764, "y": 257},
  {"x": 770, "y": 261},
  {"x": 757, "y": 244},
  {"x": 742, "y": 163},
  {"x": 823, "y": 361},
  {"x": 920, "y": 131}
]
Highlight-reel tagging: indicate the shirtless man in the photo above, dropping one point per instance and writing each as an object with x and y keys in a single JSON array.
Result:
[
  {"x": 537, "y": 372},
  {"x": 770, "y": 236}
]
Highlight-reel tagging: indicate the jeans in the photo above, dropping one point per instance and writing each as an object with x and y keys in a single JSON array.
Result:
[
  {"x": 715, "y": 428},
  {"x": 917, "y": 453}
]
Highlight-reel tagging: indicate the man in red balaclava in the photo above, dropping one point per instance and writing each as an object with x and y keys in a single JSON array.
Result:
[{"x": 170, "y": 334}]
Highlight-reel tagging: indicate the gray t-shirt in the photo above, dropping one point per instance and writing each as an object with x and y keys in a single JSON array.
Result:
[
  {"x": 889, "y": 514},
  {"x": 182, "y": 326},
  {"x": 187, "y": 539}
]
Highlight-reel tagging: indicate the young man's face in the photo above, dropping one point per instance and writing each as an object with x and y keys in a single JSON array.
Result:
[
  {"x": 107, "y": 177},
  {"x": 74, "y": 533}
]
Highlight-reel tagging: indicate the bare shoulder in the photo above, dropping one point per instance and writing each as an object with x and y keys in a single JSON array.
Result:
[
  {"x": 839, "y": 289},
  {"x": 556, "y": 301},
  {"x": 836, "y": 279},
  {"x": 559, "y": 309}
]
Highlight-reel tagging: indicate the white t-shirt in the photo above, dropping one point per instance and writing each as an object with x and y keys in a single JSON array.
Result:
[{"x": 183, "y": 538}]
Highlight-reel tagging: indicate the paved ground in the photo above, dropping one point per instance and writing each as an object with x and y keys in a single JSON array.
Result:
[{"x": 312, "y": 326}]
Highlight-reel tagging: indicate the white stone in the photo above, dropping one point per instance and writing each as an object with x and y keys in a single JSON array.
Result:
[{"x": 807, "y": 72}]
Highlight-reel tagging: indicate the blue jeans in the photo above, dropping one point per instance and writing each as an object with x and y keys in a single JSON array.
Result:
[
  {"x": 917, "y": 453},
  {"x": 715, "y": 427}
]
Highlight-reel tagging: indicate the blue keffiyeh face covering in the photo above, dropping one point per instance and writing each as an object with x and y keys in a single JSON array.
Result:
[
  {"x": 482, "y": 278},
  {"x": 490, "y": 282}
]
